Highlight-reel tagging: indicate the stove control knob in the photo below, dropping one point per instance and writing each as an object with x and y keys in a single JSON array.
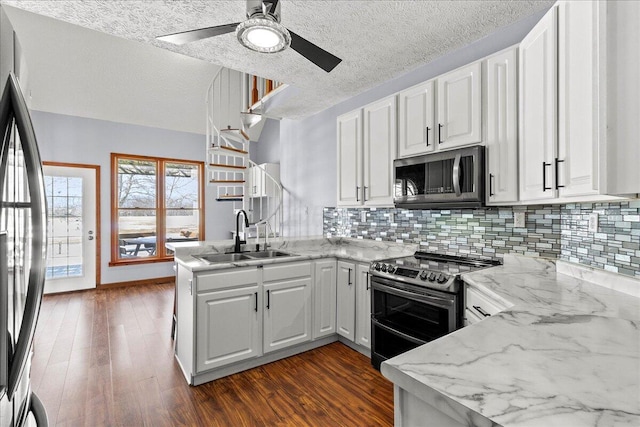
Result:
[
  {"x": 432, "y": 277},
  {"x": 442, "y": 278},
  {"x": 391, "y": 269},
  {"x": 376, "y": 266},
  {"x": 384, "y": 268},
  {"x": 423, "y": 275}
]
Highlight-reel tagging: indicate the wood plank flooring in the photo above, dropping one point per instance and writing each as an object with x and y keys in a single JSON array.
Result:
[{"x": 105, "y": 358}]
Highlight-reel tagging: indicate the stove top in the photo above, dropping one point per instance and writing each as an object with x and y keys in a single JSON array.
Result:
[{"x": 429, "y": 269}]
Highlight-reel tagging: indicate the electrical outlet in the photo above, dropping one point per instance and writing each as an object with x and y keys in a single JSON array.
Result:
[
  {"x": 593, "y": 222},
  {"x": 519, "y": 219},
  {"x": 363, "y": 216},
  {"x": 391, "y": 217}
]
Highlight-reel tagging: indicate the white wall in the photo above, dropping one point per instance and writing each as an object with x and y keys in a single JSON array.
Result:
[
  {"x": 308, "y": 146},
  {"x": 70, "y": 139}
]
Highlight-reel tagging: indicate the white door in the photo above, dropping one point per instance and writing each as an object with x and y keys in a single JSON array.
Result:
[
  {"x": 379, "y": 150},
  {"x": 416, "y": 115},
  {"x": 537, "y": 110},
  {"x": 350, "y": 159},
  {"x": 460, "y": 107},
  {"x": 287, "y": 313},
  {"x": 363, "y": 308},
  {"x": 71, "y": 227},
  {"x": 346, "y": 295},
  {"x": 324, "y": 289}
]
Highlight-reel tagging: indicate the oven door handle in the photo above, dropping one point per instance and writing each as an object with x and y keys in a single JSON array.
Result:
[
  {"x": 400, "y": 334},
  {"x": 429, "y": 299}
]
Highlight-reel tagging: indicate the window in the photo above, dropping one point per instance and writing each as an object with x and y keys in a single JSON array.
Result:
[{"x": 154, "y": 201}]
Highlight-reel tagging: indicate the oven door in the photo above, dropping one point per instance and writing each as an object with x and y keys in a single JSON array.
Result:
[{"x": 404, "y": 317}]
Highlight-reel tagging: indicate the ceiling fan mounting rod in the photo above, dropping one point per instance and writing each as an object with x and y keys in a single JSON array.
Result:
[{"x": 264, "y": 9}]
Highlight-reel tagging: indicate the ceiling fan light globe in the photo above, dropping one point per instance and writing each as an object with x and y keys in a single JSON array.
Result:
[{"x": 263, "y": 35}]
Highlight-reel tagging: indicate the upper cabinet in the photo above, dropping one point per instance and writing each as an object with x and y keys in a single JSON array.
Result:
[
  {"x": 460, "y": 107},
  {"x": 501, "y": 126},
  {"x": 452, "y": 118},
  {"x": 366, "y": 149}
]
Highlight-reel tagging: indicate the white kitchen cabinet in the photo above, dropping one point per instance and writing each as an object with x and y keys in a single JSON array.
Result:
[
  {"x": 350, "y": 159},
  {"x": 324, "y": 298},
  {"x": 460, "y": 107},
  {"x": 482, "y": 303},
  {"x": 346, "y": 300},
  {"x": 228, "y": 324},
  {"x": 287, "y": 305},
  {"x": 416, "y": 118},
  {"x": 363, "y": 306},
  {"x": 501, "y": 125},
  {"x": 260, "y": 185},
  {"x": 537, "y": 109},
  {"x": 366, "y": 150}
]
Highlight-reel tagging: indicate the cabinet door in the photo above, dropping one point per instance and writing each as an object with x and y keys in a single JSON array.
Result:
[
  {"x": 537, "y": 110},
  {"x": 346, "y": 295},
  {"x": 228, "y": 327},
  {"x": 416, "y": 115},
  {"x": 460, "y": 107},
  {"x": 501, "y": 127},
  {"x": 350, "y": 159},
  {"x": 287, "y": 314},
  {"x": 379, "y": 148},
  {"x": 578, "y": 98},
  {"x": 363, "y": 306},
  {"x": 324, "y": 292}
]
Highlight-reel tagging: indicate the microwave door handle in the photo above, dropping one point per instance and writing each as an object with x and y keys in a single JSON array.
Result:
[{"x": 456, "y": 175}]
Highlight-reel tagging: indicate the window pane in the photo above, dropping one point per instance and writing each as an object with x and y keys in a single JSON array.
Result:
[
  {"x": 181, "y": 186},
  {"x": 136, "y": 233},
  {"x": 136, "y": 184},
  {"x": 182, "y": 225}
]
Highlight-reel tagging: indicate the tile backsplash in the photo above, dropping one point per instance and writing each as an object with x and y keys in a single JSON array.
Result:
[{"x": 553, "y": 231}]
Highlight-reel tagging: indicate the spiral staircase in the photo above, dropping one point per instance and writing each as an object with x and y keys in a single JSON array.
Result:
[{"x": 230, "y": 128}]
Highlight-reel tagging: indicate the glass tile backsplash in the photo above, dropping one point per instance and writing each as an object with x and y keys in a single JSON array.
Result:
[{"x": 553, "y": 231}]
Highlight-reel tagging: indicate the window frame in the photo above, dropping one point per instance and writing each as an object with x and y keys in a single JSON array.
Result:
[{"x": 160, "y": 208}]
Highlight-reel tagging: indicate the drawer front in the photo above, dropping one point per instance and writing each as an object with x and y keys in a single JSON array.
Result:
[
  {"x": 480, "y": 304},
  {"x": 286, "y": 271},
  {"x": 223, "y": 279}
]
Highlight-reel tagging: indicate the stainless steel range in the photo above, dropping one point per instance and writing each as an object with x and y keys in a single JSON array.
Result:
[{"x": 417, "y": 299}]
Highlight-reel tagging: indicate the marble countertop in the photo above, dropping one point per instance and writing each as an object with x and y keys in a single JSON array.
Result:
[
  {"x": 566, "y": 353},
  {"x": 306, "y": 248}
]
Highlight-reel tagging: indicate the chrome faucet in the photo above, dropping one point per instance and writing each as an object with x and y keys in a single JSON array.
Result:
[{"x": 239, "y": 242}]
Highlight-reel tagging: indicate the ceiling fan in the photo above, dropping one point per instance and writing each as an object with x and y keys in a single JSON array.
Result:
[{"x": 261, "y": 32}]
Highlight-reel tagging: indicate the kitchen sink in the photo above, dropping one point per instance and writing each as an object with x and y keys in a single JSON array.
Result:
[
  {"x": 268, "y": 254},
  {"x": 212, "y": 258}
]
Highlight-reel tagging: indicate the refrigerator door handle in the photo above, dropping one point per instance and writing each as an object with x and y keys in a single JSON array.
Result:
[{"x": 4, "y": 315}]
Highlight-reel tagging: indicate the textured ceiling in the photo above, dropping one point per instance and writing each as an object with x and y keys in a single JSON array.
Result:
[{"x": 377, "y": 40}]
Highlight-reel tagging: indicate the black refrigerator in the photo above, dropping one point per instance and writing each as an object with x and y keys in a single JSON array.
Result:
[{"x": 23, "y": 246}]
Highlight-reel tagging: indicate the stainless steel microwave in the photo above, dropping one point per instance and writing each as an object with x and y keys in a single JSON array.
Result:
[{"x": 447, "y": 179}]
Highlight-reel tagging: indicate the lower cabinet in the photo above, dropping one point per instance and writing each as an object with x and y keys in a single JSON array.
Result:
[
  {"x": 354, "y": 303},
  {"x": 324, "y": 298}
]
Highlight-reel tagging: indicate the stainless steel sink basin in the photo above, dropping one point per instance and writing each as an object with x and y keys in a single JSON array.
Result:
[
  {"x": 268, "y": 254},
  {"x": 213, "y": 258}
]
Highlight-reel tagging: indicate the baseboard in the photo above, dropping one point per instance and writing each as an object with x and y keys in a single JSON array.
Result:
[
  {"x": 155, "y": 281},
  {"x": 357, "y": 347}
]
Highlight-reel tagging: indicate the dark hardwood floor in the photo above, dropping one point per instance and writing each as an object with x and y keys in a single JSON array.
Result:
[{"x": 105, "y": 357}]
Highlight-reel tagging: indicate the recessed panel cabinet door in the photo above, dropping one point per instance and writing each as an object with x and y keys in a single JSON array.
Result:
[
  {"x": 287, "y": 313},
  {"x": 228, "y": 327},
  {"x": 324, "y": 311},
  {"x": 346, "y": 294},
  {"x": 350, "y": 159},
  {"x": 460, "y": 107},
  {"x": 537, "y": 110},
  {"x": 416, "y": 114},
  {"x": 363, "y": 307},
  {"x": 379, "y": 152}
]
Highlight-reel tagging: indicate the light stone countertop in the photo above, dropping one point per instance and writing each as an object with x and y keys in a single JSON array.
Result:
[
  {"x": 305, "y": 248},
  {"x": 567, "y": 353}
]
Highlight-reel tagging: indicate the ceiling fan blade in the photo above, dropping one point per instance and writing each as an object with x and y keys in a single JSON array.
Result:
[
  {"x": 313, "y": 53},
  {"x": 199, "y": 34}
]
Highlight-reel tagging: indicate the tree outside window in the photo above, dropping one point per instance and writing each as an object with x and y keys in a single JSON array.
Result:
[{"x": 154, "y": 201}]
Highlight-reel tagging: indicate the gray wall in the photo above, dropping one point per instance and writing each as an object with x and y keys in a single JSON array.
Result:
[
  {"x": 308, "y": 146},
  {"x": 72, "y": 139}
]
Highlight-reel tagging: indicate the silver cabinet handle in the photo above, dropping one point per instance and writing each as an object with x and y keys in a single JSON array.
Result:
[{"x": 357, "y": 193}]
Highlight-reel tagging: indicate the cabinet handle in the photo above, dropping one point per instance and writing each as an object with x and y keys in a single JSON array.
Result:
[
  {"x": 364, "y": 193},
  {"x": 367, "y": 273},
  {"x": 349, "y": 282},
  {"x": 481, "y": 311},
  {"x": 491, "y": 176},
  {"x": 256, "y": 308},
  {"x": 440, "y": 141},
  {"x": 357, "y": 193},
  {"x": 428, "y": 130},
  {"x": 544, "y": 176},
  {"x": 558, "y": 161},
  {"x": 268, "y": 299}
]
